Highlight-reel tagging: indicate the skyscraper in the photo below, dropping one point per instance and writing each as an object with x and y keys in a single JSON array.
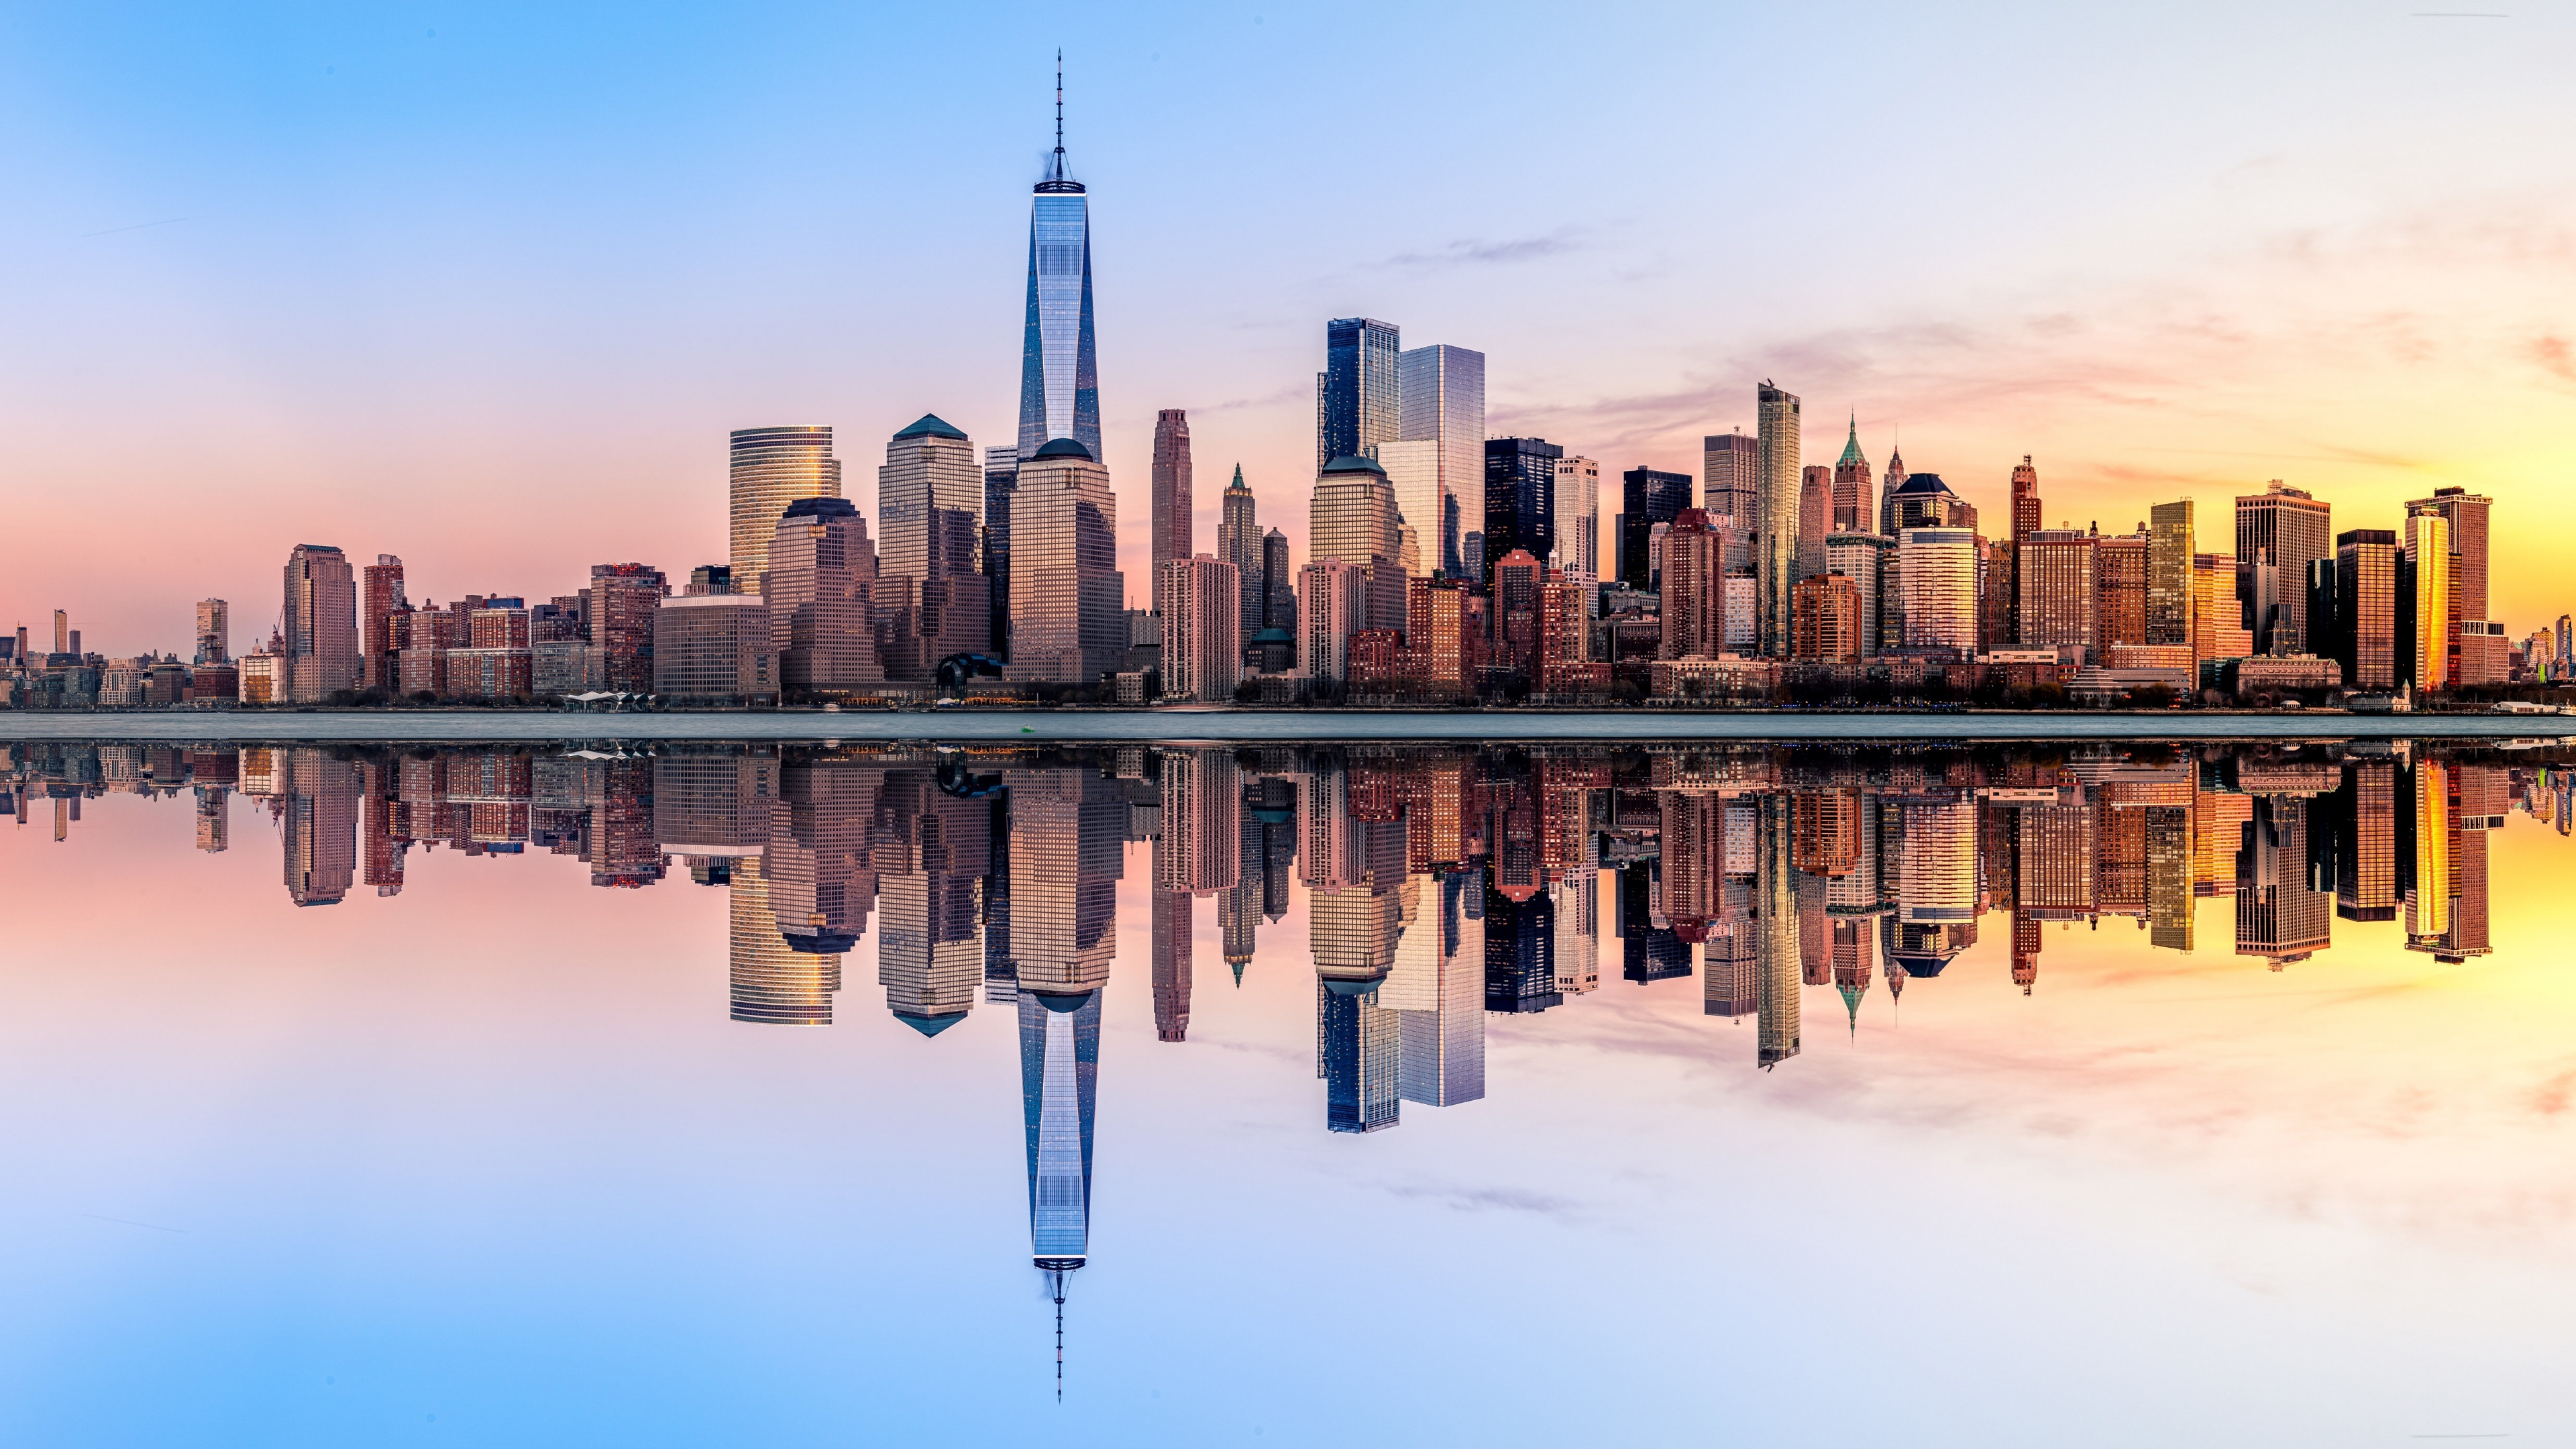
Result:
[
  {"x": 1520, "y": 496},
  {"x": 1279, "y": 581},
  {"x": 1775, "y": 504},
  {"x": 818, "y": 580},
  {"x": 1352, "y": 518},
  {"x": 1693, "y": 611},
  {"x": 1201, "y": 604},
  {"x": 378, "y": 598},
  {"x": 1815, "y": 517},
  {"x": 1238, "y": 542},
  {"x": 1068, "y": 599},
  {"x": 2365, "y": 635},
  {"x": 1648, "y": 497},
  {"x": 1854, "y": 509},
  {"x": 932, "y": 599},
  {"x": 214, "y": 632},
  {"x": 319, "y": 624},
  {"x": 1578, "y": 518},
  {"x": 1059, "y": 366},
  {"x": 1172, "y": 486},
  {"x": 2057, "y": 602},
  {"x": 2291, "y": 530},
  {"x": 771, "y": 468},
  {"x": 2169, "y": 551},
  {"x": 1356, "y": 394},
  {"x": 1001, "y": 482},
  {"x": 1730, "y": 473},
  {"x": 1441, "y": 401},
  {"x": 2471, "y": 655},
  {"x": 2431, "y": 597},
  {"x": 619, "y": 615},
  {"x": 1936, "y": 571}
]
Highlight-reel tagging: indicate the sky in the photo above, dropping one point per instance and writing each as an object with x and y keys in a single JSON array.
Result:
[{"x": 487, "y": 289}]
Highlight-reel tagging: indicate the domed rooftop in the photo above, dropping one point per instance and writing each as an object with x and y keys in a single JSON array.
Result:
[
  {"x": 927, "y": 1025},
  {"x": 821, "y": 508},
  {"x": 932, "y": 425},
  {"x": 1064, "y": 448}
]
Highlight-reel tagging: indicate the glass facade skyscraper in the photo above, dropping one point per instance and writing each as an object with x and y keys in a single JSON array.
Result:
[
  {"x": 1520, "y": 496},
  {"x": 1355, "y": 394},
  {"x": 1440, "y": 399},
  {"x": 1059, "y": 367}
]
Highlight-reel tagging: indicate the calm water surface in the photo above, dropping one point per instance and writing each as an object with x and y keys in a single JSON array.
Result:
[{"x": 699, "y": 1094}]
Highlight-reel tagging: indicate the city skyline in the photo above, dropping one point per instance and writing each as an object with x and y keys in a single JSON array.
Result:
[{"x": 1629, "y": 390}]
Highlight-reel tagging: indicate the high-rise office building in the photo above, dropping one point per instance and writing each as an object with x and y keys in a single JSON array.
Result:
[
  {"x": 1520, "y": 496},
  {"x": 1936, "y": 570},
  {"x": 1578, "y": 518},
  {"x": 771, "y": 468},
  {"x": 1279, "y": 582},
  {"x": 817, "y": 582},
  {"x": 1172, "y": 486},
  {"x": 2169, "y": 555},
  {"x": 2471, "y": 656},
  {"x": 2120, "y": 563},
  {"x": 1815, "y": 517},
  {"x": 380, "y": 594},
  {"x": 1441, "y": 401},
  {"x": 1059, "y": 365},
  {"x": 1332, "y": 606},
  {"x": 1201, "y": 603},
  {"x": 1352, "y": 517},
  {"x": 1692, "y": 614},
  {"x": 319, "y": 624},
  {"x": 214, "y": 632},
  {"x": 2217, "y": 614},
  {"x": 1356, "y": 395},
  {"x": 1826, "y": 619},
  {"x": 1648, "y": 497},
  {"x": 2364, "y": 639},
  {"x": 2057, "y": 591},
  {"x": 1068, "y": 599},
  {"x": 619, "y": 613},
  {"x": 2430, "y": 598},
  {"x": 63, "y": 632},
  {"x": 932, "y": 851},
  {"x": 1775, "y": 505},
  {"x": 1730, "y": 474},
  {"x": 1855, "y": 510},
  {"x": 1893, "y": 479},
  {"x": 932, "y": 599},
  {"x": 1866, "y": 559},
  {"x": 1238, "y": 542},
  {"x": 1001, "y": 483},
  {"x": 2026, "y": 520},
  {"x": 2291, "y": 530}
]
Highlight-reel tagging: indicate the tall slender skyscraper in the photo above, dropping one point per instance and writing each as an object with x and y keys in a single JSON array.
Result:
[
  {"x": 1238, "y": 542},
  {"x": 319, "y": 623},
  {"x": 771, "y": 468},
  {"x": 1355, "y": 394},
  {"x": 1578, "y": 518},
  {"x": 380, "y": 596},
  {"x": 1441, "y": 400},
  {"x": 2169, "y": 550},
  {"x": 1059, "y": 367},
  {"x": 1172, "y": 487},
  {"x": 1852, "y": 507},
  {"x": 1775, "y": 502},
  {"x": 1001, "y": 481}
]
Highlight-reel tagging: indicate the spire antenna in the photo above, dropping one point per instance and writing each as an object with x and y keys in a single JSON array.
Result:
[
  {"x": 1055, "y": 1280},
  {"x": 1059, "y": 106}
]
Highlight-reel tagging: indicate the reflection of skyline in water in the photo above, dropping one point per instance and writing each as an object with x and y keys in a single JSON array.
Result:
[{"x": 1441, "y": 886}]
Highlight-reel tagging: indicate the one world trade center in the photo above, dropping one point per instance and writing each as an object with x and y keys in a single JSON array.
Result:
[{"x": 1059, "y": 378}]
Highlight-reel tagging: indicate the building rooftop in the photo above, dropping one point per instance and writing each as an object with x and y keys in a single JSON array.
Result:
[
  {"x": 1353, "y": 465},
  {"x": 932, "y": 425},
  {"x": 1064, "y": 448},
  {"x": 821, "y": 508}
]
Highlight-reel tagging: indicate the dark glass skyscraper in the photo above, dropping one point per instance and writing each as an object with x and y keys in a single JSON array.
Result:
[
  {"x": 1648, "y": 497},
  {"x": 1059, "y": 368},
  {"x": 1356, "y": 393},
  {"x": 1520, "y": 497}
]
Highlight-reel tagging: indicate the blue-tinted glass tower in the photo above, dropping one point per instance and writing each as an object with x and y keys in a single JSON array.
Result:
[
  {"x": 1059, "y": 369},
  {"x": 1356, "y": 399}
]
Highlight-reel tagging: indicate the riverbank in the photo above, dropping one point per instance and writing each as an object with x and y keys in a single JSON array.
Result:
[{"x": 1253, "y": 726}]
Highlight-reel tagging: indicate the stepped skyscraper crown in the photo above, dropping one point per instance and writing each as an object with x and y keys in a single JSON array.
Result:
[{"x": 1059, "y": 381}]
